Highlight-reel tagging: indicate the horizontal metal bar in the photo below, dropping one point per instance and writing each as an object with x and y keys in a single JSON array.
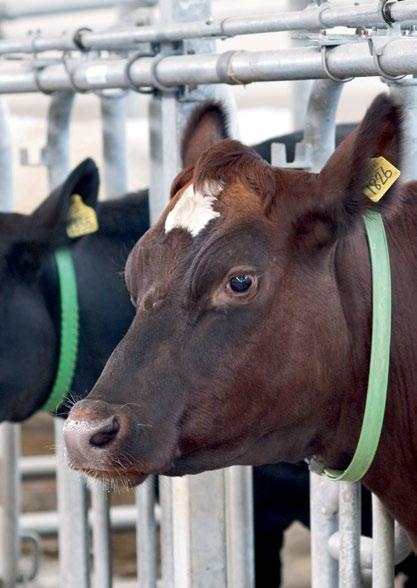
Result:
[
  {"x": 13, "y": 10},
  {"x": 37, "y": 466},
  {"x": 311, "y": 18},
  {"x": 402, "y": 547},
  {"x": 349, "y": 59},
  {"x": 122, "y": 518}
]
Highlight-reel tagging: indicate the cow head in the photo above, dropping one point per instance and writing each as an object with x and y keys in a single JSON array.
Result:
[
  {"x": 29, "y": 337},
  {"x": 241, "y": 349}
]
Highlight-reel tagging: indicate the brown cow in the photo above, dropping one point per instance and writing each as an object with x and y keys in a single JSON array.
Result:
[{"x": 251, "y": 339}]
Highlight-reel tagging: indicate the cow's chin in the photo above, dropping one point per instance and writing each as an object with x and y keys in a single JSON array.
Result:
[{"x": 114, "y": 479}]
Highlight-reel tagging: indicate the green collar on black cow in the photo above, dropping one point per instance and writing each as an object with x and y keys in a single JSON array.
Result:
[
  {"x": 379, "y": 362},
  {"x": 68, "y": 348}
]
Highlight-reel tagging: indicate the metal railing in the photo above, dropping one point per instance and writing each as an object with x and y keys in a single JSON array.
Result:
[{"x": 206, "y": 520}]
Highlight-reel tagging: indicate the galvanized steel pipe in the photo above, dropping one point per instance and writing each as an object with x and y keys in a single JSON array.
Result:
[
  {"x": 349, "y": 59},
  {"x": 13, "y": 10},
  {"x": 113, "y": 131},
  {"x": 9, "y": 505},
  {"x": 311, "y": 18}
]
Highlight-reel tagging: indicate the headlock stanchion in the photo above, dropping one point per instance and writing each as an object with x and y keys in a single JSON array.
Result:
[
  {"x": 74, "y": 557},
  {"x": 200, "y": 545},
  {"x": 206, "y": 521}
]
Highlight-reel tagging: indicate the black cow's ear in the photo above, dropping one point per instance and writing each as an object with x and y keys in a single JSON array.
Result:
[
  {"x": 51, "y": 219},
  {"x": 206, "y": 126},
  {"x": 346, "y": 176}
]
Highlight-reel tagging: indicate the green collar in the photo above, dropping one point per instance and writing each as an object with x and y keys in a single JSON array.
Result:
[
  {"x": 380, "y": 355},
  {"x": 69, "y": 332}
]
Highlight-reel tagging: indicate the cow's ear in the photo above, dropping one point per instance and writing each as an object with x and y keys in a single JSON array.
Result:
[
  {"x": 206, "y": 126},
  {"x": 51, "y": 219},
  {"x": 47, "y": 228},
  {"x": 344, "y": 179},
  {"x": 340, "y": 199}
]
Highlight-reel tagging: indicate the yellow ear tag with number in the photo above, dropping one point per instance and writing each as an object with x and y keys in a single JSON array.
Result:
[
  {"x": 383, "y": 176},
  {"x": 82, "y": 219}
]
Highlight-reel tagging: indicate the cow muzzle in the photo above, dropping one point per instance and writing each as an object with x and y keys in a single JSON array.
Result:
[{"x": 97, "y": 437}]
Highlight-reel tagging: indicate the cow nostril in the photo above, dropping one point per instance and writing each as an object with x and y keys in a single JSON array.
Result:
[{"x": 106, "y": 434}]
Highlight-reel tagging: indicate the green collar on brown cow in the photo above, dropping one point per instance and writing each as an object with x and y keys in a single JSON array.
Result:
[
  {"x": 68, "y": 348},
  {"x": 380, "y": 355}
]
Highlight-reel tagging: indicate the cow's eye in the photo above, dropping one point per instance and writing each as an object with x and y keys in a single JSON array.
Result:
[
  {"x": 240, "y": 283},
  {"x": 239, "y": 287}
]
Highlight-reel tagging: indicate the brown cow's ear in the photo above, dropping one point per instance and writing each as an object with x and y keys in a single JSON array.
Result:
[
  {"x": 347, "y": 173},
  {"x": 206, "y": 126}
]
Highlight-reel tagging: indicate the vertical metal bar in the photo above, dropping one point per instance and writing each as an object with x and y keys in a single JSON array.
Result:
[
  {"x": 100, "y": 522},
  {"x": 56, "y": 154},
  {"x": 239, "y": 524},
  {"x": 320, "y": 127},
  {"x": 406, "y": 93},
  {"x": 74, "y": 552},
  {"x": 146, "y": 539},
  {"x": 238, "y": 479},
  {"x": 74, "y": 556},
  {"x": 350, "y": 531},
  {"x": 9, "y": 433},
  {"x": 113, "y": 121},
  {"x": 195, "y": 542},
  {"x": 320, "y": 134},
  {"x": 323, "y": 523},
  {"x": 299, "y": 90},
  {"x": 382, "y": 546},
  {"x": 6, "y": 163},
  {"x": 9, "y": 505},
  {"x": 112, "y": 108}
]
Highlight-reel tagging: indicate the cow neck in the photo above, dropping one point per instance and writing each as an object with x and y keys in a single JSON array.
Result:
[
  {"x": 376, "y": 397},
  {"x": 69, "y": 329}
]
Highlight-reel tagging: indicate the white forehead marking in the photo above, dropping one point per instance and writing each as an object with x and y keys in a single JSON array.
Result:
[{"x": 194, "y": 209}]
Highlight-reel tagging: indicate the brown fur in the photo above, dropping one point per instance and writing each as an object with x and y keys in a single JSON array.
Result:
[{"x": 280, "y": 374}]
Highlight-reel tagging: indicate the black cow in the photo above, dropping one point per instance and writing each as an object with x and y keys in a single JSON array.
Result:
[{"x": 29, "y": 290}]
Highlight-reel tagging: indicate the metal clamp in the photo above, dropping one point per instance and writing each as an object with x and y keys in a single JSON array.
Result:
[
  {"x": 37, "y": 70},
  {"x": 224, "y": 68},
  {"x": 78, "y": 38},
  {"x": 71, "y": 74},
  {"x": 377, "y": 45},
  {"x": 325, "y": 65},
  {"x": 156, "y": 84},
  {"x": 384, "y": 7},
  {"x": 322, "y": 8}
]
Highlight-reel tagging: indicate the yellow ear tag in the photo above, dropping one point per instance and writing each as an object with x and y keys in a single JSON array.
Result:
[
  {"x": 82, "y": 219},
  {"x": 383, "y": 176}
]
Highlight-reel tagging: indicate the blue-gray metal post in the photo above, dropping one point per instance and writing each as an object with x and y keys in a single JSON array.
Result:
[
  {"x": 74, "y": 553},
  {"x": 113, "y": 121},
  {"x": 146, "y": 538},
  {"x": 9, "y": 433},
  {"x": 196, "y": 543},
  {"x": 320, "y": 134},
  {"x": 6, "y": 163},
  {"x": 112, "y": 107},
  {"x": 9, "y": 504}
]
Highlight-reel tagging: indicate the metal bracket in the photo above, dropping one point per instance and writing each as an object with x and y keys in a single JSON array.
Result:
[
  {"x": 156, "y": 83},
  {"x": 384, "y": 6},
  {"x": 302, "y": 158},
  {"x": 32, "y": 157},
  {"x": 35, "y": 541},
  {"x": 377, "y": 45}
]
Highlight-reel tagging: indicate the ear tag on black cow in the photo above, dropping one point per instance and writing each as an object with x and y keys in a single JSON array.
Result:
[
  {"x": 82, "y": 219},
  {"x": 383, "y": 176}
]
